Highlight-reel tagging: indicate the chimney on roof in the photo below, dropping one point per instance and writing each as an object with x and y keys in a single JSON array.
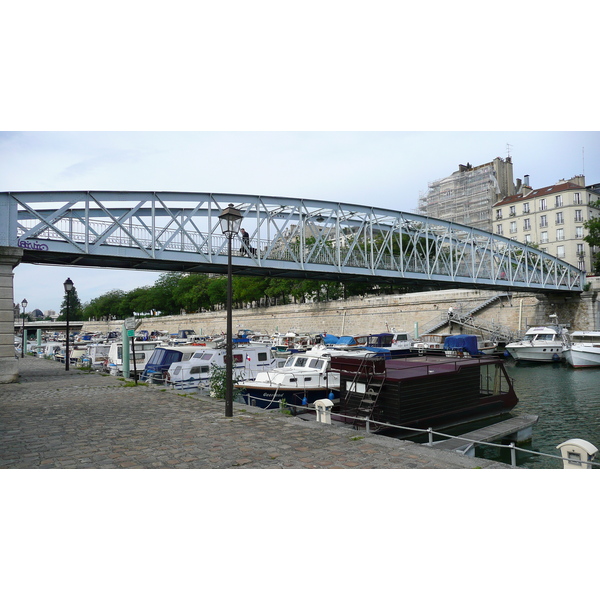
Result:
[{"x": 526, "y": 180}]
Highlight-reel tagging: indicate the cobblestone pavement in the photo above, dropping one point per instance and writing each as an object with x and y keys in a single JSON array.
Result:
[{"x": 67, "y": 420}]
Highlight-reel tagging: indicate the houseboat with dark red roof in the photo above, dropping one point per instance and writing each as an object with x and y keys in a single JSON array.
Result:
[{"x": 422, "y": 391}]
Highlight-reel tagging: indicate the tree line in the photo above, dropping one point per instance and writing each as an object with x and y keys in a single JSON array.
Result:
[{"x": 195, "y": 292}]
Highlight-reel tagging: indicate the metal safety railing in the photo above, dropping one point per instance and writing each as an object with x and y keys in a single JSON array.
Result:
[{"x": 512, "y": 447}]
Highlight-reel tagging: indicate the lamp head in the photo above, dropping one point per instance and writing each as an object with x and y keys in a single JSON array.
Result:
[
  {"x": 68, "y": 285},
  {"x": 24, "y": 303},
  {"x": 230, "y": 220}
]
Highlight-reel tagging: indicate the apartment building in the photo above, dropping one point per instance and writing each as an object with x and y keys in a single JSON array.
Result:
[
  {"x": 468, "y": 195},
  {"x": 552, "y": 218}
]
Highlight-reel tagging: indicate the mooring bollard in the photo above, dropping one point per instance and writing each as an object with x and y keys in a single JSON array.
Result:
[{"x": 323, "y": 408}]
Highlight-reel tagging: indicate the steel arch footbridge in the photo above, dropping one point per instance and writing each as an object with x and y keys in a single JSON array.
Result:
[{"x": 289, "y": 237}]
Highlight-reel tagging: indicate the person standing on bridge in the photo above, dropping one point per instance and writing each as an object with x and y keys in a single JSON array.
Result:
[{"x": 245, "y": 242}]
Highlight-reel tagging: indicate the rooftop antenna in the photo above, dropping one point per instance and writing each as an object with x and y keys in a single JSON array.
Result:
[
  {"x": 583, "y": 160},
  {"x": 508, "y": 147}
]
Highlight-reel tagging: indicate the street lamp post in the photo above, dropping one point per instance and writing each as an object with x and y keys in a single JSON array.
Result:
[
  {"x": 24, "y": 339},
  {"x": 230, "y": 220},
  {"x": 68, "y": 287}
]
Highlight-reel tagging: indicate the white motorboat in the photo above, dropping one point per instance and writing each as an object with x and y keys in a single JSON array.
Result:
[
  {"x": 584, "y": 349},
  {"x": 306, "y": 377},
  {"x": 541, "y": 344},
  {"x": 195, "y": 372},
  {"x": 143, "y": 352}
]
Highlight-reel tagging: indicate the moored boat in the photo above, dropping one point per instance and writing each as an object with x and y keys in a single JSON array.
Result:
[
  {"x": 583, "y": 349},
  {"x": 541, "y": 344},
  {"x": 306, "y": 377},
  {"x": 248, "y": 361},
  {"x": 423, "y": 391},
  {"x": 397, "y": 342},
  {"x": 468, "y": 345}
]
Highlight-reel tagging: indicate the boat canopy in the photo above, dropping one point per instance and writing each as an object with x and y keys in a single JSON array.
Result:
[
  {"x": 333, "y": 340},
  {"x": 462, "y": 343}
]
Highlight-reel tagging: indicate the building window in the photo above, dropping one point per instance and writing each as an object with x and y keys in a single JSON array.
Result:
[
  {"x": 559, "y": 218},
  {"x": 526, "y": 208},
  {"x": 581, "y": 265},
  {"x": 560, "y": 235},
  {"x": 513, "y": 227},
  {"x": 579, "y": 232},
  {"x": 528, "y": 239},
  {"x": 544, "y": 237},
  {"x": 578, "y": 216},
  {"x": 579, "y": 249},
  {"x": 576, "y": 198},
  {"x": 499, "y": 229},
  {"x": 543, "y": 205},
  {"x": 543, "y": 221},
  {"x": 513, "y": 211},
  {"x": 498, "y": 213},
  {"x": 560, "y": 252},
  {"x": 558, "y": 201},
  {"x": 526, "y": 224}
]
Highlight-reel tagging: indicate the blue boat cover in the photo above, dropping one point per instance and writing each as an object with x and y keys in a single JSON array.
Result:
[
  {"x": 383, "y": 351},
  {"x": 462, "y": 343},
  {"x": 330, "y": 339},
  {"x": 345, "y": 340}
]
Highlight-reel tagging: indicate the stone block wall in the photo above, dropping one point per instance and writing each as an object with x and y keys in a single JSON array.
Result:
[{"x": 374, "y": 314}]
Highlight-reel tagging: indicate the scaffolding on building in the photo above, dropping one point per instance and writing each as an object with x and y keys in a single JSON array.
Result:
[{"x": 467, "y": 196}]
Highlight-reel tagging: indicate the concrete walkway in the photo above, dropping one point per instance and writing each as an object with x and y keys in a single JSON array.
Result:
[{"x": 53, "y": 419}]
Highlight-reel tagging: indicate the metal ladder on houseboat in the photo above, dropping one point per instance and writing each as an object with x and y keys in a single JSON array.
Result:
[{"x": 367, "y": 399}]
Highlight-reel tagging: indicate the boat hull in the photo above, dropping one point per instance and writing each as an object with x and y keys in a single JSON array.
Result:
[
  {"x": 583, "y": 356},
  {"x": 270, "y": 398},
  {"x": 552, "y": 353}
]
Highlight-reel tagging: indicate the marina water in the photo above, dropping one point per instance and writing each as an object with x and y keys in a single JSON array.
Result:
[{"x": 567, "y": 401}]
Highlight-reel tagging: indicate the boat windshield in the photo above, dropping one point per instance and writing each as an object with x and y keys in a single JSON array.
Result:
[{"x": 545, "y": 337}]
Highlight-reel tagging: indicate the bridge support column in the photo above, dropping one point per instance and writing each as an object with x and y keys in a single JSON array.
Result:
[{"x": 9, "y": 366}]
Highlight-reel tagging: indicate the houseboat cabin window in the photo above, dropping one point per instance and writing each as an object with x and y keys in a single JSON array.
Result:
[
  {"x": 177, "y": 371},
  {"x": 316, "y": 363},
  {"x": 262, "y": 356},
  {"x": 238, "y": 358}
]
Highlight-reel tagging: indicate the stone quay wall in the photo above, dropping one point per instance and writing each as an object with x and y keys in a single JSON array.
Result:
[{"x": 413, "y": 313}]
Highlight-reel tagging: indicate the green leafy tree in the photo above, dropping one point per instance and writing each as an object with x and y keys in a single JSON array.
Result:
[
  {"x": 249, "y": 289},
  {"x": 217, "y": 291},
  {"x": 106, "y": 305},
  {"x": 593, "y": 237},
  {"x": 192, "y": 291}
]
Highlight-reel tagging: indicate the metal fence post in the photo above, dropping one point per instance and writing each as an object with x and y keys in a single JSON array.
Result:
[
  {"x": 513, "y": 455},
  {"x": 368, "y": 428},
  {"x": 430, "y": 432}
]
